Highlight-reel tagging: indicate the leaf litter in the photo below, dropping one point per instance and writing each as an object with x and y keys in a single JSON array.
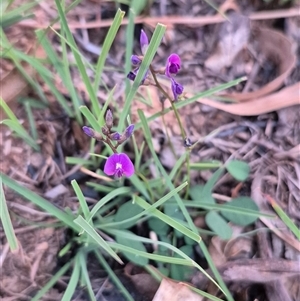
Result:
[{"x": 269, "y": 142}]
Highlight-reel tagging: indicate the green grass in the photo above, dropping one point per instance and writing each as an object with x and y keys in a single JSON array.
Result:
[{"x": 162, "y": 205}]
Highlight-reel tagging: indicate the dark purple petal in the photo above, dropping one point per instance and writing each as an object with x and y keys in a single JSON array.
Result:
[
  {"x": 131, "y": 75},
  {"x": 135, "y": 60},
  {"x": 110, "y": 164},
  {"x": 129, "y": 130},
  {"x": 88, "y": 131},
  {"x": 127, "y": 165},
  {"x": 177, "y": 88},
  {"x": 115, "y": 136},
  {"x": 144, "y": 42},
  {"x": 173, "y": 65}
]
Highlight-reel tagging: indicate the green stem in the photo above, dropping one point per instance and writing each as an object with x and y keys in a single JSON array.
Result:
[{"x": 171, "y": 102}]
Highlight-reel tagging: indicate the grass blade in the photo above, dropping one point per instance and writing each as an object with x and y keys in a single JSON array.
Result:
[
  {"x": 81, "y": 67},
  {"x": 80, "y": 221},
  {"x": 64, "y": 217},
  {"x": 6, "y": 222},
  {"x": 148, "y": 58},
  {"x": 110, "y": 36}
]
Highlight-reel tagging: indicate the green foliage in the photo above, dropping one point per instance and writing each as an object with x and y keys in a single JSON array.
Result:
[
  {"x": 158, "y": 203},
  {"x": 137, "y": 245},
  {"x": 238, "y": 169},
  {"x": 216, "y": 223},
  {"x": 240, "y": 218}
]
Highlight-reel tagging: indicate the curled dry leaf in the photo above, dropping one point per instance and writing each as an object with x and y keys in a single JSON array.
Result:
[
  {"x": 232, "y": 38},
  {"x": 175, "y": 291},
  {"x": 286, "y": 97},
  {"x": 274, "y": 46}
]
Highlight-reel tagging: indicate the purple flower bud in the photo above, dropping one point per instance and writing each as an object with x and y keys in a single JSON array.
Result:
[
  {"x": 109, "y": 119},
  {"x": 173, "y": 65},
  {"x": 129, "y": 130},
  {"x": 88, "y": 131},
  {"x": 115, "y": 136},
  {"x": 135, "y": 60},
  {"x": 131, "y": 75},
  {"x": 119, "y": 165},
  {"x": 144, "y": 42},
  {"x": 177, "y": 88}
]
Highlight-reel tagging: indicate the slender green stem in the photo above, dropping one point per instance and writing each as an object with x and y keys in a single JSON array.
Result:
[{"x": 183, "y": 134}]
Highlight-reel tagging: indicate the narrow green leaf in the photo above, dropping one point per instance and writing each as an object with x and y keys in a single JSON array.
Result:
[
  {"x": 90, "y": 118},
  {"x": 66, "y": 218},
  {"x": 81, "y": 199},
  {"x": 113, "y": 276},
  {"x": 54, "y": 279},
  {"x": 80, "y": 221},
  {"x": 137, "y": 245},
  {"x": 70, "y": 290},
  {"x": 168, "y": 220},
  {"x": 81, "y": 67},
  {"x": 110, "y": 36},
  {"x": 19, "y": 130},
  {"x": 6, "y": 222}
]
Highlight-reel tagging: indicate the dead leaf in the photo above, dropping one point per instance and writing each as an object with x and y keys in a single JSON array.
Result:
[
  {"x": 286, "y": 97},
  {"x": 274, "y": 46},
  {"x": 175, "y": 291},
  {"x": 232, "y": 38}
]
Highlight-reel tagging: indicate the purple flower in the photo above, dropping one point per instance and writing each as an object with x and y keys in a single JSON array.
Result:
[
  {"x": 129, "y": 130},
  {"x": 115, "y": 136},
  {"x": 119, "y": 165},
  {"x": 173, "y": 65},
  {"x": 144, "y": 42},
  {"x": 172, "y": 68},
  {"x": 135, "y": 60},
  {"x": 88, "y": 131},
  {"x": 177, "y": 88}
]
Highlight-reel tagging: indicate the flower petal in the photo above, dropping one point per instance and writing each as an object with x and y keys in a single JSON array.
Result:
[
  {"x": 173, "y": 65},
  {"x": 110, "y": 164},
  {"x": 129, "y": 130},
  {"x": 127, "y": 165},
  {"x": 88, "y": 131},
  {"x": 144, "y": 42},
  {"x": 177, "y": 88},
  {"x": 135, "y": 60}
]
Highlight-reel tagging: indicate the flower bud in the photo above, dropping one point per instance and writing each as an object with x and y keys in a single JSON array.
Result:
[
  {"x": 88, "y": 131},
  {"x": 144, "y": 42},
  {"x": 109, "y": 119},
  {"x": 135, "y": 60},
  {"x": 129, "y": 130},
  {"x": 115, "y": 136}
]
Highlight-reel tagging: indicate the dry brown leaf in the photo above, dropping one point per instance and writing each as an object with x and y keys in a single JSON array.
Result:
[
  {"x": 286, "y": 97},
  {"x": 175, "y": 291},
  {"x": 16, "y": 80},
  {"x": 233, "y": 36},
  {"x": 274, "y": 46}
]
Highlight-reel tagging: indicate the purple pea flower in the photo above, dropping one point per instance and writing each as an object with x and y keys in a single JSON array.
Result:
[
  {"x": 172, "y": 68},
  {"x": 173, "y": 65},
  {"x": 119, "y": 165}
]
